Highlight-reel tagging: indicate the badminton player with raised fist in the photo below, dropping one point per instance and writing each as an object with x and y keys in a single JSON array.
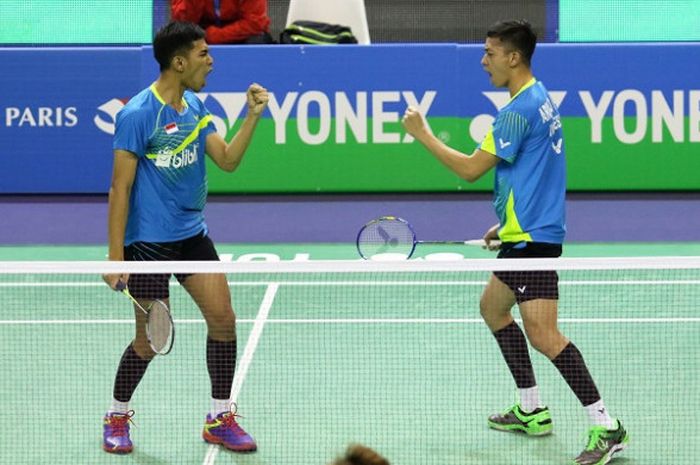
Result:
[
  {"x": 156, "y": 203},
  {"x": 525, "y": 146}
]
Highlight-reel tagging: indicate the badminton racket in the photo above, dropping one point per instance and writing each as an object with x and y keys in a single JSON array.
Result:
[{"x": 395, "y": 237}]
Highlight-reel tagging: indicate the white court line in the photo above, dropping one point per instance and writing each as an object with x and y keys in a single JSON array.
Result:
[
  {"x": 473, "y": 320},
  {"x": 256, "y": 322},
  {"x": 265, "y": 283},
  {"x": 89, "y": 322},
  {"x": 246, "y": 358},
  {"x": 377, "y": 283}
]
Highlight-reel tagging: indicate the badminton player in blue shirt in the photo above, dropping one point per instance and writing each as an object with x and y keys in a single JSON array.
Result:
[
  {"x": 525, "y": 146},
  {"x": 156, "y": 202}
]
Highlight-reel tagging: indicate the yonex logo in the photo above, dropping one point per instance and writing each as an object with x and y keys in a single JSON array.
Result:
[
  {"x": 110, "y": 108},
  {"x": 320, "y": 116}
]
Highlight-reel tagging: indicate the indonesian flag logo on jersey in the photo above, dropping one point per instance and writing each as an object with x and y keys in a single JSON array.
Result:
[{"x": 171, "y": 128}]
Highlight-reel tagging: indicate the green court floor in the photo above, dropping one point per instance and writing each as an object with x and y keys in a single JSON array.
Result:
[{"x": 405, "y": 366}]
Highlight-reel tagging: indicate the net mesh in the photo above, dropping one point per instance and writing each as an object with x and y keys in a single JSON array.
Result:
[{"x": 392, "y": 355}]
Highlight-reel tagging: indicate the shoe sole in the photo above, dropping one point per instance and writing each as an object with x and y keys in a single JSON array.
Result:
[
  {"x": 210, "y": 439},
  {"x": 519, "y": 429},
  {"x": 120, "y": 451},
  {"x": 614, "y": 450}
]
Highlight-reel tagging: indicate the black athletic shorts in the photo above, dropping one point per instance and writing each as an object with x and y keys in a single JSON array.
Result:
[
  {"x": 531, "y": 285},
  {"x": 155, "y": 286}
]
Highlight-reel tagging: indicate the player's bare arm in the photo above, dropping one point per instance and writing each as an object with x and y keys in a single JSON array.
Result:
[
  {"x": 492, "y": 235},
  {"x": 123, "y": 175},
  {"x": 468, "y": 167},
  {"x": 229, "y": 156}
]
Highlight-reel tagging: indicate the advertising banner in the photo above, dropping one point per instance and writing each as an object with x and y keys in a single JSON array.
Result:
[
  {"x": 630, "y": 114},
  {"x": 57, "y": 109}
]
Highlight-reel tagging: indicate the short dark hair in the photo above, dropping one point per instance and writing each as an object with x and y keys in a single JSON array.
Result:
[
  {"x": 358, "y": 454},
  {"x": 174, "y": 38},
  {"x": 517, "y": 34}
]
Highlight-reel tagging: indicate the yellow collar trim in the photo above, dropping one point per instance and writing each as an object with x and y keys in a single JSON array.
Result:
[
  {"x": 527, "y": 85},
  {"x": 160, "y": 99}
]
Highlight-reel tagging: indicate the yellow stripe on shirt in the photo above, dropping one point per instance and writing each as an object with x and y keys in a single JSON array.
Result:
[
  {"x": 511, "y": 230},
  {"x": 188, "y": 140}
]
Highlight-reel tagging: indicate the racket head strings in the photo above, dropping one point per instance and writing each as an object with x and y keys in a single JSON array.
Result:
[
  {"x": 388, "y": 236},
  {"x": 160, "y": 329}
]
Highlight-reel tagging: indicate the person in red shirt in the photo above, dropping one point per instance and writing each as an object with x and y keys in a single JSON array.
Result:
[{"x": 226, "y": 21}]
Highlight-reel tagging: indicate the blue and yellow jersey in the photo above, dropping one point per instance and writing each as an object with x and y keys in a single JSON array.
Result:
[
  {"x": 530, "y": 183},
  {"x": 170, "y": 188}
]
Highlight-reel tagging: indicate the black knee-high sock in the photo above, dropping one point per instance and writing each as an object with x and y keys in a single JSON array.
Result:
[
  {"x": 513, "y": 345},
  {"x": 221, "y": 363},
  {"x": 573, "y": 368},
  {"x": 129, "y": 374}
]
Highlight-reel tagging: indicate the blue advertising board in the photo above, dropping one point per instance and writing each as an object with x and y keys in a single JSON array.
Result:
[
  {"x": 57, "y": 110},
  {"x": 631, "y": 114}
]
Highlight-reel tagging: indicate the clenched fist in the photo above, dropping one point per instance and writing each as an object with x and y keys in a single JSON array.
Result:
[
  {"x": 414, "y": 123},
  {"x": 257, "y": 97}
]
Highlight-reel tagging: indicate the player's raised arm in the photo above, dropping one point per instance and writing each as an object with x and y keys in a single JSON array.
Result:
[
  {"x": 229, "y": 156},
  {"x": 468, "y": 167}
]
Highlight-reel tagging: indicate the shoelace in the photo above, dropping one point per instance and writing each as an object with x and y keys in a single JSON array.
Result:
[
  {"x": 119, "y": 423},
  {"x": 229, "y": 420},
  {"x": 511, "y": 409},
  {"x": 596, "y": 440}
]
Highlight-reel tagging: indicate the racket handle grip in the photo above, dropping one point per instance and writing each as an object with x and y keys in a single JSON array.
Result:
[
  {"x": 494, "y": 244},
  {"x": 121, "y": 285}
]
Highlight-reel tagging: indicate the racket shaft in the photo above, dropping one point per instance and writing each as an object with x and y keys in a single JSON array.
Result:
[
  {"x": 443, "y": 242},
  {"x": 474, "y": 242},
  {"x": 136, "y": 302}
]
